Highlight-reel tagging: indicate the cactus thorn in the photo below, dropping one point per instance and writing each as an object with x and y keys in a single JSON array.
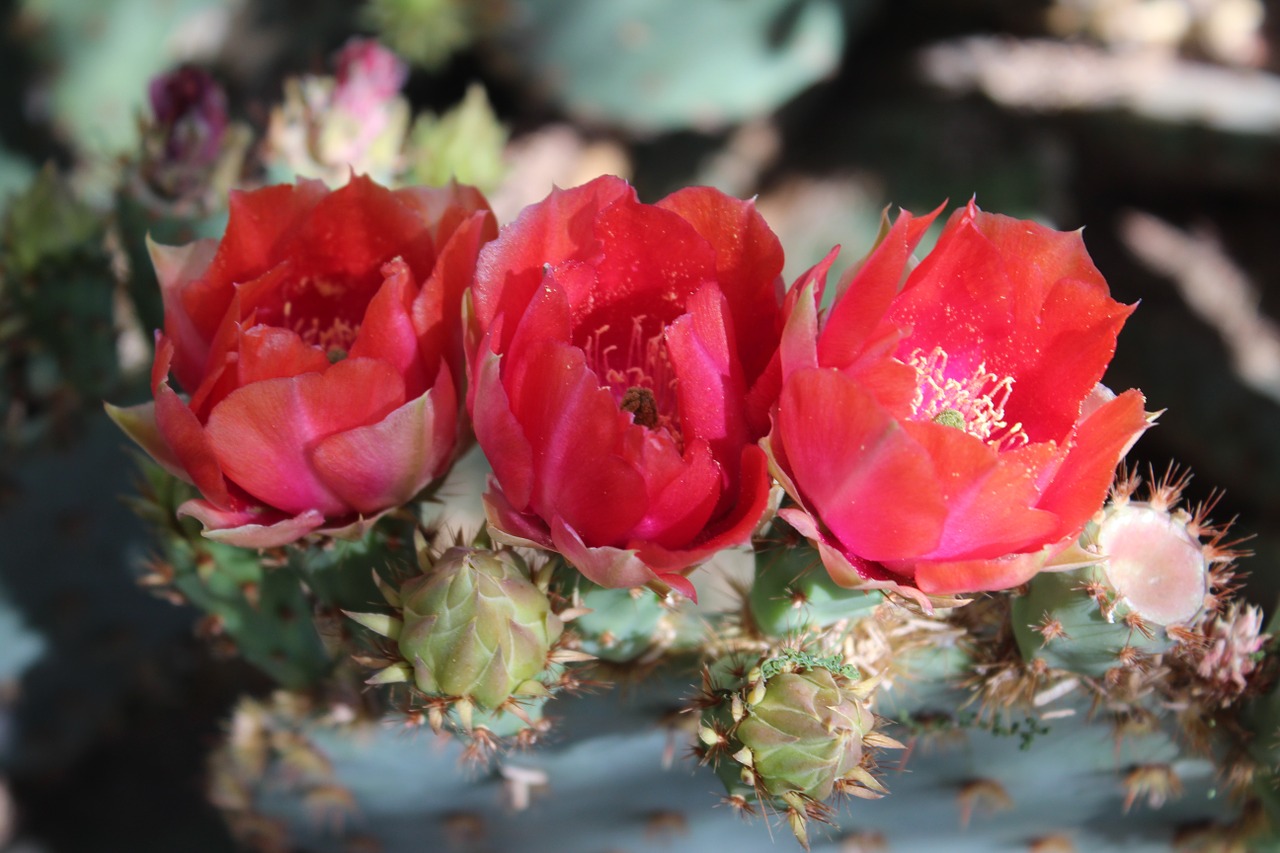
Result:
[
  {"x": 389, "y": 593},
  {"x": 988, "y": 793},
  {"x": 379, "y": 623},
  {"x": 744, "y": 757},
  {"x": 1051, "y": 629},
  {"x": 396, "y": 673}
]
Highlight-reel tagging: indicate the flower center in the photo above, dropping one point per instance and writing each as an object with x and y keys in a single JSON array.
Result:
[
  {"x": 323, "y": 314},
  {"x": 974, "y": 401},
  {"x": 638, "y": 371}
]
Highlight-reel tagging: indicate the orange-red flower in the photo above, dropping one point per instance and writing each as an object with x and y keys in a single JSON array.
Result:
[
  {"x": 945, "y": 428},
  {"x": 320, "y": 346},
  {"x": 613, "y": 385}
]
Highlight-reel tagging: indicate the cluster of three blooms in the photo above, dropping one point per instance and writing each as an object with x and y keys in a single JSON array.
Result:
[{"x": 638, "y": 377}]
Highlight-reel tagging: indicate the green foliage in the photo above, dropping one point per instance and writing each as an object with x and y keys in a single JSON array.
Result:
[
  {"x": 425, "y": 32},
  {"x": 57, "y": 334},
  {"x": 265, "y": 611},
  {"x": 464, "y": 144},
  {"x": 662, "y": 65}
]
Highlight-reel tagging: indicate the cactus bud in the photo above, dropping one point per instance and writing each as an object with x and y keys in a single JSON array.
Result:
[
  {"x": 793, "y": 731},
  {"x": 476, "y": 639},
  {"x": 476, "y": 627}
]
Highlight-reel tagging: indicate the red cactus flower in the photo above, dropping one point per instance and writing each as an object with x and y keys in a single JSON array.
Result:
[
  {"x": 947, "y": 432},
  {"x": 320, "y": 343},
  {"x": 613, "y": 387}
]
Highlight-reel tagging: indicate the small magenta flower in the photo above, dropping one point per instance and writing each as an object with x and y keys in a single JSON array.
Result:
[
  {"x": 190, "y": 108},
  {"x": 368, "y": 76},
  {"x": 356, "y": 120},
  {"x": 187, "y": 136}
]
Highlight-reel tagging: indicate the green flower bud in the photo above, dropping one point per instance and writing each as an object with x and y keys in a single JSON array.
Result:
[
  {"x": 476, "y": 627},
  {"x": 805, "y": 733},
  {"x": 791, "y": 728}
]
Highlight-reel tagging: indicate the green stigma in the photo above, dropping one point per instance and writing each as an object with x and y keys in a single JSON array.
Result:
[{"x": 950, "y": 417}]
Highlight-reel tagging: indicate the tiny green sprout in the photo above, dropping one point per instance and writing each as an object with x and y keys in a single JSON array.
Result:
[
  {"x": 789, "y": 660},
  {"x": 949, "y": 417}
]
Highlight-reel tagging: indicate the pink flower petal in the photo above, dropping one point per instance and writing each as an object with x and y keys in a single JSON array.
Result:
[
  {"x": 748, "y": 263},
  {"x": 859, "y": 470},
  {"x": 710, "y": 390},
  {"x": 385, "y": 464},
  {"x": 868, "y": 291},
  {"x": 248, "y": 528},
  {"x": 190, "y": 445},
  {"x": 511, "y": 527},
  {"x": 139, "y": 423},
  {"x": 557, "y": 229},
  {"x": 509, "y": 453},
  {"x": 387, "y": 331},
  {"x": 574, "y": 428},
  {"x": 942, "y": 578},
  {"x": 263, "y": 433},
  {"x": 1080, "y": 485},
  {"x": 607, "y": 566}
]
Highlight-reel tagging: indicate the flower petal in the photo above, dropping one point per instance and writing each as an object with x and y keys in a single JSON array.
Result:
[
  {"x": 263, "y": 433},
  {"x": 748, "y": 264},
  {"x": 248, "y": 528},
  {"x": 574, "y": 428},
  {"x": 190, "y": 443},
  {"x": 957, "y": 576},
  {"x": 607, "y": 566},
  {"x": 710, "y": 390},
  {"x": 388, "y": 332},
  {"x": 509, "y": 453},
  {"x": 859, "y": 470},
  {"x": 557, "y": 229},
  {"x": 1080, "y": 486},
  {"x": 385, "y": 464},
  {"x": 868, "y": 290},
  {"x": 139, "y": 423}
]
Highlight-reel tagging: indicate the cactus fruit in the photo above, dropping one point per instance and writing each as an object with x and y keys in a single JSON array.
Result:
[
  {"x": 475, "y": 637},
  {"x": 788, "y": 730},
  {"x": 1150, "y": 585}
]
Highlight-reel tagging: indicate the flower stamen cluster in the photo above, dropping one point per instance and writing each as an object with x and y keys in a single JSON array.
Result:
[
  {"x": 643, "y": 379},
  {"x": 974, "y": 403}
]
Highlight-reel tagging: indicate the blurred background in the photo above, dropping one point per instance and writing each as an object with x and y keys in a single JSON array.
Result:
[{"x": 1154, "y": 124}]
